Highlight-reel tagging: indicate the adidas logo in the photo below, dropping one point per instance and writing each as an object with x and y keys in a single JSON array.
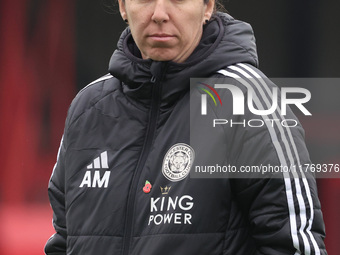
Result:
[
  {"x": 100, "y": 162},
  {"x": 94, "y": 179}
]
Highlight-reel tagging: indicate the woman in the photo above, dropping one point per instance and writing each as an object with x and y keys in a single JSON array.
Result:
[{"x": 121, "y": 183}]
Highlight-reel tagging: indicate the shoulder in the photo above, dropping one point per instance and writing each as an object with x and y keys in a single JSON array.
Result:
[
  {"x": 250, "y": 84},
  {"x": 90, "y": 95},
  {"x": 247, "y": 76},
  {"x": 263, "y": 118}
]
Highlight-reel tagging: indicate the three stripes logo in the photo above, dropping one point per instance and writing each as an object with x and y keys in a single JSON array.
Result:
[
  {"x": 99, "y": 162},
  {"x": 204, "y": 97},
  {"x": 97, "y": 179}
]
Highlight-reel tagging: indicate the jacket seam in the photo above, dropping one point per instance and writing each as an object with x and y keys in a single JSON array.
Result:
[
  {"x": 96, "y": 82},
  {"x": 61, "y": 193},
  {"x": 92, "y": 105},
  {"x": 245, "y": 49}
]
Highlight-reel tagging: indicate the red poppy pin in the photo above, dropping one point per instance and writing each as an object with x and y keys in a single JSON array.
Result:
[{"x": 147, "y": 187}]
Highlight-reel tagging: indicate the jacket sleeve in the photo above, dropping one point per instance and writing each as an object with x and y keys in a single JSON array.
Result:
[
  {"x": 283, "y": 208},
  {"x": 56, "y": 245},
  {"x": 284, "y": 215},
  {"x": 85, "y": 98}
]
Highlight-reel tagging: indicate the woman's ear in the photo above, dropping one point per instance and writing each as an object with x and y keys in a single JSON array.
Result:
[
  {"x": 122, "y": 9},
  {"x": 209, "y": 9}
]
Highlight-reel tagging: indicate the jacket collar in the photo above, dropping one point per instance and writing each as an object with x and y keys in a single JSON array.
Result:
[{"x": 225, "y": 41}]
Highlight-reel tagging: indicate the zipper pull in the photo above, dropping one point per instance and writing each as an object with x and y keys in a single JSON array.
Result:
[{"x": 153, "y": 79}]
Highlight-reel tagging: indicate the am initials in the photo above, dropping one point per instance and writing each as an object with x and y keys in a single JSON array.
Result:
[{"x": 95, "y": 180}]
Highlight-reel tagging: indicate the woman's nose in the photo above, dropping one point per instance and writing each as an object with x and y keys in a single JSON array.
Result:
[{"x": 160, "y": 14}]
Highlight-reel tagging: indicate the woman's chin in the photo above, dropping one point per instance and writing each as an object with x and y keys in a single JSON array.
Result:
[{"x": 161, "y": 54}]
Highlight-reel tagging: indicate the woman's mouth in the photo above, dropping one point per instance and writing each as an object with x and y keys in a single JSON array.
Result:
[{"x": 161, "y": 37}]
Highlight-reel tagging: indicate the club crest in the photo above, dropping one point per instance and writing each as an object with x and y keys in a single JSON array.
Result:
[{"x": 177, "y": 162}]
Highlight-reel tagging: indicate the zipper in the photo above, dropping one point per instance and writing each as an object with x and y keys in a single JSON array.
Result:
[{"x": 148, "y": 141}]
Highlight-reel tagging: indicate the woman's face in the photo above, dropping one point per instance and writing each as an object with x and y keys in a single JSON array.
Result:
[{"x": 166, "y": 29}]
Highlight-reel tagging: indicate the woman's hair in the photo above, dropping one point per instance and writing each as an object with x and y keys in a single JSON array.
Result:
[{"x": 219, "y": 7}]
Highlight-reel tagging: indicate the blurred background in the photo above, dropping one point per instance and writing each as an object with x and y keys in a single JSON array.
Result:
[{"x": 50, "y": 49}]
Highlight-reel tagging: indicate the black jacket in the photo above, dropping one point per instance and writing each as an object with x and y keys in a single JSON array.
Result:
[{"x": 121, "y": 184}]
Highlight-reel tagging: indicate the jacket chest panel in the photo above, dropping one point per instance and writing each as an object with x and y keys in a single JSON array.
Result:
[
  {"x": 107, "y": 153},
  {"x": 101, "y": 159}
]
